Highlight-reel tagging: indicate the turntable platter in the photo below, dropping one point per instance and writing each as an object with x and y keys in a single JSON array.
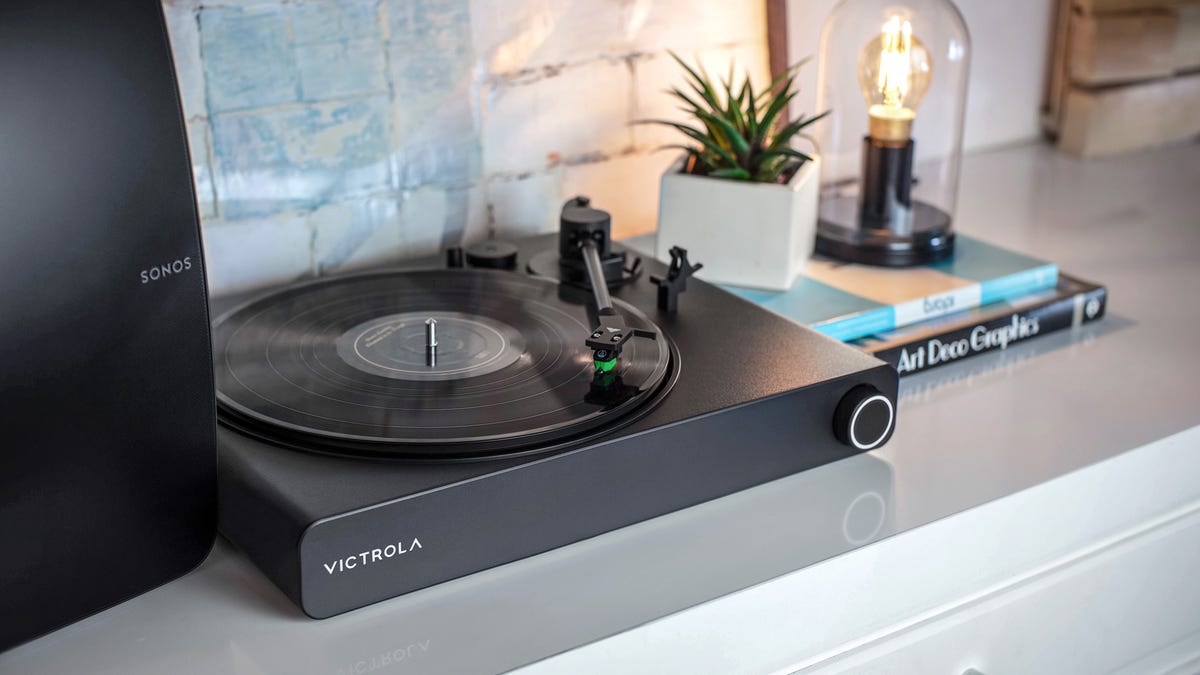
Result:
[{"x": 344, "y": 365}]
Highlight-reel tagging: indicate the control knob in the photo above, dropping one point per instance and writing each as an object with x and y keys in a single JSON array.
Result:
[{"x": 864, "y": 418}]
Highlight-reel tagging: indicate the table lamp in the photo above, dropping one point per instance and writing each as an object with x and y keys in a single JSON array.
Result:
[{"x": 891, "y": 73}]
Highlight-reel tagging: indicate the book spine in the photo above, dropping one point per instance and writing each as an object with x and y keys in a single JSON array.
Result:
[
  {"x": 1015, "y": 285},
  {"x": 959, "y": 299},
  {"x": 957, "y": 343}
]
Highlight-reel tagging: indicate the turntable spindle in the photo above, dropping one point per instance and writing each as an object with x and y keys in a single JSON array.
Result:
[
  {"x": 431, "y": 333},
  {"x": 431, "y": 342}
]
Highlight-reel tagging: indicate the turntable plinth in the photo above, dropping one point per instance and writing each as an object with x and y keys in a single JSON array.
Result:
[{"x": 729, "y": 397}]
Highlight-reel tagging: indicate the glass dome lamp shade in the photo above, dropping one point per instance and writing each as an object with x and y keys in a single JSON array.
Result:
[{"x": 892, "y": 74}]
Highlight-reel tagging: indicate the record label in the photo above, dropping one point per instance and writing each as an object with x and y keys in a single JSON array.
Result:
[{"x": 395, "y": 346}]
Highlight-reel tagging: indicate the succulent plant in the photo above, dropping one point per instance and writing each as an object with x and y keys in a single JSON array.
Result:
[{"x": 744, "y": 136}]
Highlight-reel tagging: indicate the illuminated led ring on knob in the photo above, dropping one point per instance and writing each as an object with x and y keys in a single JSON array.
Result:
[{"x": 850, "y": 410}]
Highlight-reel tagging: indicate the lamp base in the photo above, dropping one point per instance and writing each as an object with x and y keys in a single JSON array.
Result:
[{"x": 929, "y": 240}]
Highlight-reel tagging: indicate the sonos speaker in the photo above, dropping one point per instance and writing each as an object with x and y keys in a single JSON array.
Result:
[{"x": 107, "y": 412}]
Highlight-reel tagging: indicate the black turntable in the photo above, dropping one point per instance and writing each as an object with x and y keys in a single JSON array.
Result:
[{"x": 389, "y": 430}]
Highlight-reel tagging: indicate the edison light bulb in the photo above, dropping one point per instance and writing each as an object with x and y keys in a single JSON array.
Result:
[{"x": 894, "y": 71}]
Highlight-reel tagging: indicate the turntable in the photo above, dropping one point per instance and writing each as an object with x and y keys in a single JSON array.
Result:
[{"x": 386, "y": 431}]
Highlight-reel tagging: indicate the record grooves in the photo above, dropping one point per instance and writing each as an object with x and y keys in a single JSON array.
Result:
[{"x": 343, "y": 365}]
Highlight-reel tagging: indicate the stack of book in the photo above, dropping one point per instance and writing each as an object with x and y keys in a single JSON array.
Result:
[{"x": 986, "y": 298}]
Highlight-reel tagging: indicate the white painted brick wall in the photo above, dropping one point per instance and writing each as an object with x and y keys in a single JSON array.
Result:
[
  {"x": 257, "y": 251},
  {"x": 327, "y": 135},
  {"x": 354, "y": 233},
  {"x": 528, "y": 204},
  {"x": 578, "y": 113}
]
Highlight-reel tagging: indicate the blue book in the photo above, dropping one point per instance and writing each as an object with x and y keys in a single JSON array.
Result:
[{"x": 847, "y": 301}]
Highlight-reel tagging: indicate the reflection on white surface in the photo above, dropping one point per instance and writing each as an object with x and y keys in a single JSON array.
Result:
[
  {"x": 1006, "y": 362},
  {"x": 226, "y": 617}
]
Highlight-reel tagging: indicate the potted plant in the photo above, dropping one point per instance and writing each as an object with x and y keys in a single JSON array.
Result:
[{"x": 742, "y": 199}]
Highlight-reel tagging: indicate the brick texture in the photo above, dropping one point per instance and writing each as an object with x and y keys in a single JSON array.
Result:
[{"x": 331, "y": 134}]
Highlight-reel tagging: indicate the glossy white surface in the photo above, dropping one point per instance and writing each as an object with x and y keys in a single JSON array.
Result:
[
  {"x": 1047, "y": 413},
  {"x": 887, "y": 603}
]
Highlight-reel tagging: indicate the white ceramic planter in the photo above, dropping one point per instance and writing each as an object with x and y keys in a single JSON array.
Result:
[{"x": 747, "y": 234}]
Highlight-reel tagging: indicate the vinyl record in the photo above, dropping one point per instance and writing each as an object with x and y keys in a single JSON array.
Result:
[{"x": 343, "y": 365}]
